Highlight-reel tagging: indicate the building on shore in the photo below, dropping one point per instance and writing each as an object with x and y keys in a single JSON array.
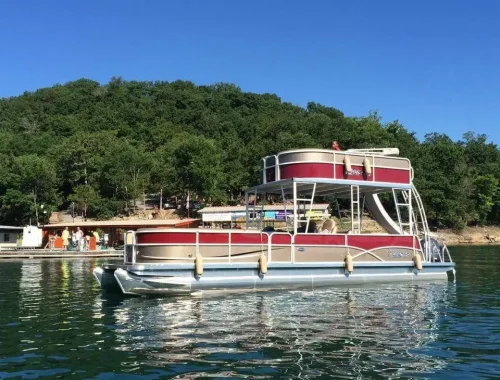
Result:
[
  {"x": 12, "y": 237},
  {"x": 111, "y": 231},
  {"x": 9, "y": 236}
]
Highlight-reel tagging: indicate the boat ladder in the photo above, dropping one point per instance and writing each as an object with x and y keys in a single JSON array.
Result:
[{"x": 355, "y": 210}]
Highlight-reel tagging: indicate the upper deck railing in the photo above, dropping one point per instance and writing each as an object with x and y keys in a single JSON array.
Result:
[{"x": 339, "y": 165}]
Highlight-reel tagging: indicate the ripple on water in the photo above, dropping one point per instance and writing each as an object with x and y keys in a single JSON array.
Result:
[{"x": 434, "y": 330}]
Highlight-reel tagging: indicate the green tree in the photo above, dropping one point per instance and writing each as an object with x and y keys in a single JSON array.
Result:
[
  {"x": 127, "y": 172},
  {"x": 163, "y": 174},
  {"x": 85, "y": 199},
  {"x": 16, "y": 208},
  {"x": 197, "y": 161},
  {"x": 484, "y": 193},
  {"x": 36, "y": 176},
  {"x": 112, "y": 143}
]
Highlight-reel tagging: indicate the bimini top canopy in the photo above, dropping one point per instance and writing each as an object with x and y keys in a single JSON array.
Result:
[
  {"x": 325, "y": 187},
  {"x": 363, "y": 168}
]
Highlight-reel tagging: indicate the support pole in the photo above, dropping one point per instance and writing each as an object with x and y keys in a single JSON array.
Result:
[
  {"x": 410, "y": 212},
  {"x": 247, "y": 217},
  {"x": 295, "y": 213},
  {"x": 262, "y": 211},
  {"x": 361, "y": 212},
  {"x": 283, "y": 196}
]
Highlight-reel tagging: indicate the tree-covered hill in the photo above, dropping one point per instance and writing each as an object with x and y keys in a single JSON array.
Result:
[{"x": 102, "y": 146}]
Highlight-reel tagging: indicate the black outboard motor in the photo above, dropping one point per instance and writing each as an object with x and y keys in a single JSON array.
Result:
[{"x": 435, "y": 249}]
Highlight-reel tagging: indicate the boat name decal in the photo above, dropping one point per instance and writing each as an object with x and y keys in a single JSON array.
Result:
[{"x": 393, "y": 253}]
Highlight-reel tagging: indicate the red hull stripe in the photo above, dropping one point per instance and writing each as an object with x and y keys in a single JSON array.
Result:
[
  {"x": 417, "y": 244},
  {"x": 371, "y": 242},
  {"x": 325, "y": 170},
  {"x": 306, "y": 170},
  {"x": 339, "y": 171},
  {"x": 166, "y": 238},
  {"x": 320, "y": 239},
  {"x": 363, "y": 242},
  {"x": 207, "y": 238},
  {"x": 252, "y": 239},
  {"x": 392, "y": 175},
  {"x": 281, "y": 239}
]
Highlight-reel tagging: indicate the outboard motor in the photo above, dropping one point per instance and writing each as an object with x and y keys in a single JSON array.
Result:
[{"x": 435, "y": 249}]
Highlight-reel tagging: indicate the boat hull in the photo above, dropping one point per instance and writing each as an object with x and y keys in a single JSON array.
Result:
[
  {"x": 105, "y": 277},
  {"x": 159, "y": 280}
]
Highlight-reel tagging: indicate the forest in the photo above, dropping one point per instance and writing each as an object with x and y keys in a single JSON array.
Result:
[{"x": 98, "y": 147}]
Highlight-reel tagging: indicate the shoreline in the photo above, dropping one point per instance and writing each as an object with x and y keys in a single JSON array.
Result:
[
  {"x": 473, "y": 244},
  {"x": 470, "y": 236}
]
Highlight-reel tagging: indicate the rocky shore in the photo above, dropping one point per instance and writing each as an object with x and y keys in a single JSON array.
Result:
[{"x": 470, "y": 235}]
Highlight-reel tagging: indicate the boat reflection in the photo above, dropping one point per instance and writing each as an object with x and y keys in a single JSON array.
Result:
[{"x": 338, "y": 331}]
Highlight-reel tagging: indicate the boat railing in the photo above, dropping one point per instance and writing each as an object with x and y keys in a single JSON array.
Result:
[
  {"x": 446, "y": 251},
  {"x": 202, "y": 237},
  {"x": 271, "y": 165},
  {"x": 435, "y": 248},
  {"x": 283, "y": 244}
]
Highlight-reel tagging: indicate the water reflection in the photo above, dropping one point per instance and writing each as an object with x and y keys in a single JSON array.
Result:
[
  {"x": 364, "y": 329},
  {"x": 55, "y": 321},
  {"x": 30, "y": 289}
]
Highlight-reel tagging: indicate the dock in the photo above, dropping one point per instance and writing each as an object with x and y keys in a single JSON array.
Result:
[{"x": 57, "y": 254}]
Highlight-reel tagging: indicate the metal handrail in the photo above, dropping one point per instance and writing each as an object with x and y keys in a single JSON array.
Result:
[
  {"x": 447, "y": 251},
  {"x": 425, "y": 225},
  {"x": 264, "y": 246}
]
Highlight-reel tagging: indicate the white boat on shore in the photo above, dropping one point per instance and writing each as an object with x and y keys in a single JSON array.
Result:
[{"x": 184, "y": 261}]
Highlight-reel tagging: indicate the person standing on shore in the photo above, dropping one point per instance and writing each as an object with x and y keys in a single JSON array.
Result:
[
  {"x": 87, "y": 242},
  {"x": 79, "y": 238},
  {"x": 52, "y": 240},
  {"x": 65, "y": 238},
  {"x": 97, "y": 239},
  {"x": 74, "y": 244}
]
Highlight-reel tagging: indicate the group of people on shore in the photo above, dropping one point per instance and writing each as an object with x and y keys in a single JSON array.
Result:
[{"x": 78, "y": 240}]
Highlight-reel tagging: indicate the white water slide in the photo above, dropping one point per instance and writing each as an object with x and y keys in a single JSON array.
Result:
[{"x": 377, "y": 211}]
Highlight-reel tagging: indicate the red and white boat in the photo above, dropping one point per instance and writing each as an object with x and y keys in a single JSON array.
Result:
[{"x": 175, "y": 261}]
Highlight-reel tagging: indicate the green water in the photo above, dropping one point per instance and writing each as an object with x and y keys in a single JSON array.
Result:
[{"x": 56, "y": 323}]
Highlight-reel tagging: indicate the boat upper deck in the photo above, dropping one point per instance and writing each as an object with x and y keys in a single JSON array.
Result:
[{"x": 341, "y": 166}]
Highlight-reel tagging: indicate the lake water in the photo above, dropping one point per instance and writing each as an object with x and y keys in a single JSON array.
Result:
[{"x": 56, "y": 323}]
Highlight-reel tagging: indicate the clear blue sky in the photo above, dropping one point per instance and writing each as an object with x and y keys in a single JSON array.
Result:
[{"x": 433, "y": 65}]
